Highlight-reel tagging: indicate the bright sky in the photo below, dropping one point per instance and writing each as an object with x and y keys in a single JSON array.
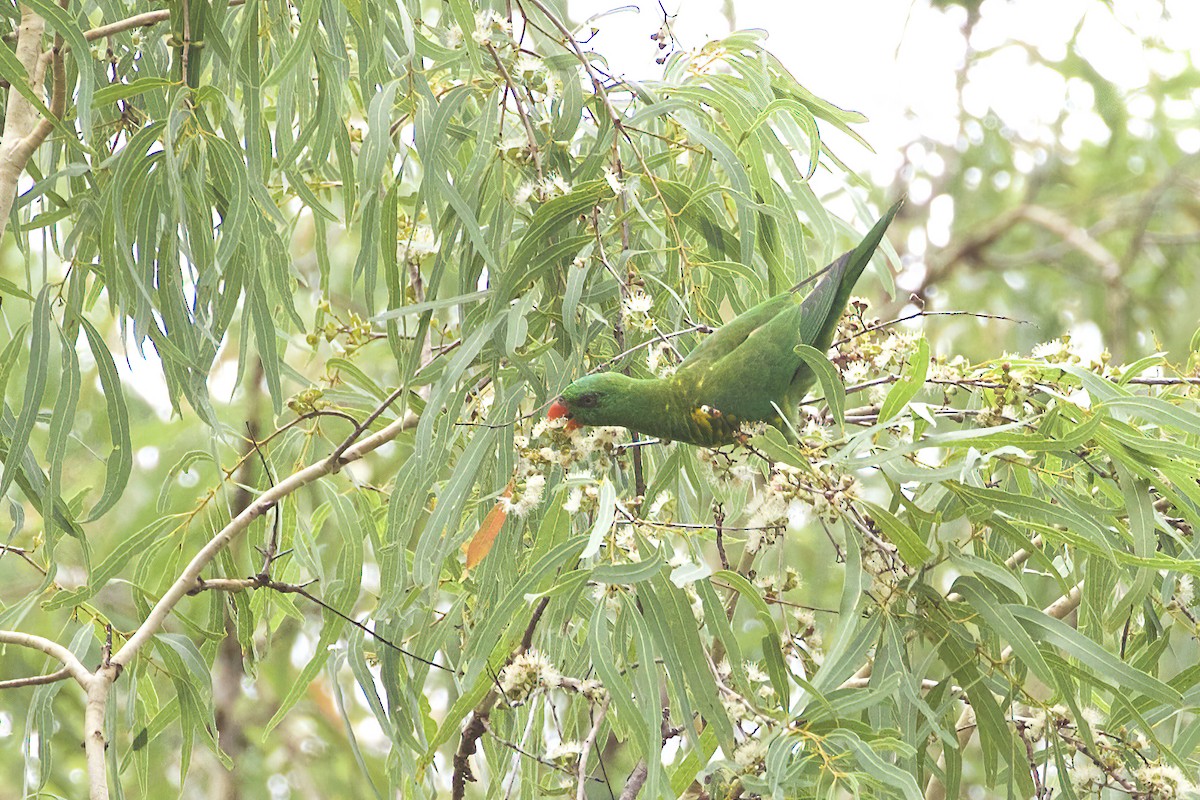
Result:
[{"x": 896, "y": 62}]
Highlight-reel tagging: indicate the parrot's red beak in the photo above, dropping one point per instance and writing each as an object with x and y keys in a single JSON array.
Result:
[{"x": 559, "y": 409}]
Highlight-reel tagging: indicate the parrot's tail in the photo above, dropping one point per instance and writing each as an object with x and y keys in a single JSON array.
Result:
[{"x": 823, "y": 307}]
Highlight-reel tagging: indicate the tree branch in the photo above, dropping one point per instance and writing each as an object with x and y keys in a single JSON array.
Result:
[
  {"x": 20, "y": 117},
  {"x": 36, "y": 680},
  {"x": 477, "y": 723},
  {"x": 136, "y": 21},
  {"x": 586, "y": 749},
  {"x": 104, "y": 677},
  {"x": 534, "y": 153},
  {"x": 51, "y": 648}
]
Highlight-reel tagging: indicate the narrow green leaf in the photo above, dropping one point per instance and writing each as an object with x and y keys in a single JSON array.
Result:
[
  {"x": 10, "y": 289},
  {"x": 116, "y": 92},
  {"x": 606, "y": 512},
  {"x": 628, "y": 574},
  {"x": 120, "y": 459},
  {"x": 907, "y": 387},
  {"x": 35, "y": 387},
  {"x": 62, "y": 418},
  {"x": 431, "y": 305},
  {"x": 1168, "y": 416},
  {"x": 1004, "y": 625},
  {"x": 831, "y": 382},
  {"x": 1093, "y": 655},
  {"x": 911, "y": 546},
  {"x": 301, "y": 46}
]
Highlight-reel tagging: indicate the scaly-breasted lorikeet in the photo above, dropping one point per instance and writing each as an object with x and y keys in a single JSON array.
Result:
[{"x": 746, "y": 371}]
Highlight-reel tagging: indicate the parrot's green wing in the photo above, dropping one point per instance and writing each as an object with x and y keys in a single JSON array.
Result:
[
  {"x": 810, "y": 322},
  {"x": 758, "y": 368},
  {"x": 725, "y": 339}
]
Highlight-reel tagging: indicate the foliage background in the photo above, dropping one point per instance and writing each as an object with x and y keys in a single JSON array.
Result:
[{"x": 273, "y": 214}]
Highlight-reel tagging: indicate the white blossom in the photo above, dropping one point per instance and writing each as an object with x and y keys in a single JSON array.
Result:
[
  {"x": 1035, "y": 729},
  {"x": 529, "y": 497},
  {"x": 527, "y": 66},
  {"x": 553, "y": 185},
  {"x": 893, "y": 350},
  {"x": 1086, "y": 776},
  {"x": 1052, "y": 350},
  {"x": 755, "y": 673},
  {"x": 423, "y": 241},
  {"x": 1165, "y": 782},
  {"x": 855, "y": 372},
  {"x": 523, "y": 193},
  {"x": 526, "y": 673},
  {"x": 1091, "y": 716},
  {"x": 659, "y": 502},
  {"x": 750, "y": 753},
  {"x": 563, "y": 751},
  {"x": 613, "y": 181},
  {"x": 638, "y": 303}
]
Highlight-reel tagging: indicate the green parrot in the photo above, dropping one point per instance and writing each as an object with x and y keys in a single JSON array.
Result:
[{"x": 747, "y": 371}]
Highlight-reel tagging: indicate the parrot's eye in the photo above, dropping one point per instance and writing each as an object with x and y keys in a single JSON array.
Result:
[{"x": 588, "y": 400}]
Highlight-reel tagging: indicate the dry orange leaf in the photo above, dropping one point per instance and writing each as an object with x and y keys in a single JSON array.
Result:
[{"x": 481, "y": 543}]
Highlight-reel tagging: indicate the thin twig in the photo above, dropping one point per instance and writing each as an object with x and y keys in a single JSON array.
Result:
[
  {"x": 477, "y": 721},
  {"x": 23, "y": 554},
  {"x": 136, "y": 21},
  {"x": 617, "y": 120},
  {"x": 661, "y": 337},
  {"x": 585, "y": 750},
  {"x": 919, "y": 314},
  {"x": 53, "y": 649},
  {"x": 521, "y": 112},
  {"x": 36, "y": 680},
  {"x": 264, "y": 582}
]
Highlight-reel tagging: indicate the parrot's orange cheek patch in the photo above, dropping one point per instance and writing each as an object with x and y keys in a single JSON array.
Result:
[{"x": 558, "y": 409}]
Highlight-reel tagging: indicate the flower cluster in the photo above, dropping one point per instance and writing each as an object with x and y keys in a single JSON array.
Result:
[
  {"x": 1066, "y": 350},
  {"x": 551, "y": 443},
  {"x": 527, "y": 673},
  {"x": 307, "y": 401},
  {"x": 882, "y": 562},
  {"x": 418, "y": 240},
  {"x": 1165, "y": 782},
  {"x": 551, "y": 186},
  {"x": 661, "y": 360},
  {"x": 806, "y": 642},
  {"x": 751, "y": 756},
  {"x": 563, "y": 753},
  {"x": 1107, "y": 762},
  {"x": 636, "y": 308},
  {"x": 527, "y": 494},
  {"x": 491, "y": 29}
]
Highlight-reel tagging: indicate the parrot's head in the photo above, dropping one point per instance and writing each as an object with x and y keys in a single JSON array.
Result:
[{"x": 591, "y": 400}]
